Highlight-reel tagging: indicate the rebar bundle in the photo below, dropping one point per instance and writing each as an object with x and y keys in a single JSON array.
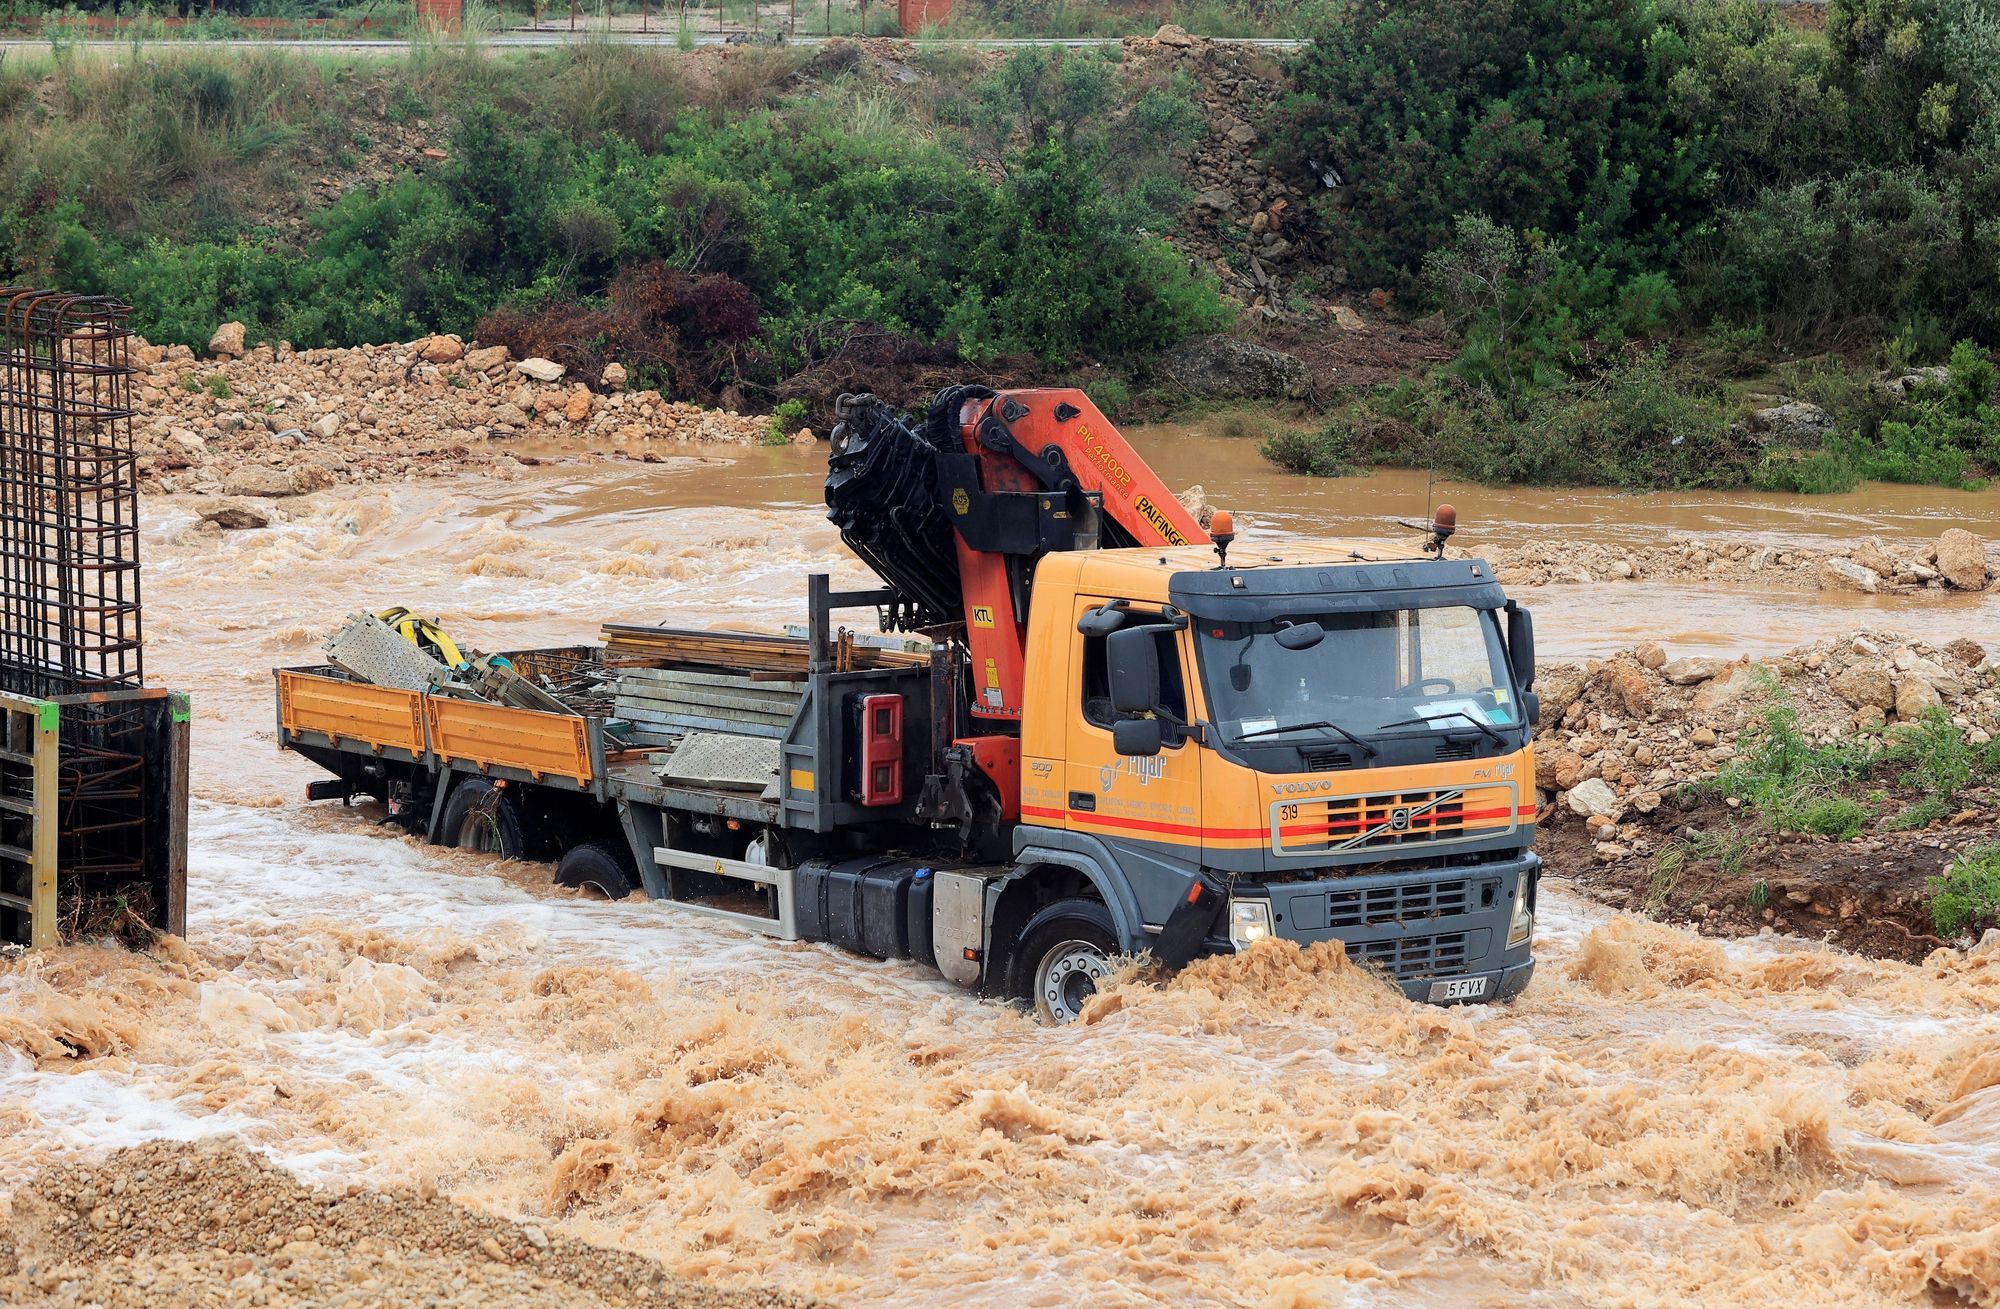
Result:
[{"x": 69, "y": 497}]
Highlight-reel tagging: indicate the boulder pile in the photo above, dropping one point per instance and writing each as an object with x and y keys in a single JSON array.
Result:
[
  {"x": 1618, "y": 734},
  {"x": 263, "y": 422},
  {"x": 1957, "y": 560}
]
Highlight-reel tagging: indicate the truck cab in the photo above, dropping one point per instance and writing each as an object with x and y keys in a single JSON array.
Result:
[{"x": 1336, "y": 737}]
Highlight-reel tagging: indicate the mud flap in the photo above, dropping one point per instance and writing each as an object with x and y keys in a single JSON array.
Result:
[{"x": 1188, "y": 926}]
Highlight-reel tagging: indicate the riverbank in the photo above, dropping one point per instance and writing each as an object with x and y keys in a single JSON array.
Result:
[{"x": 1844, "y": 791}]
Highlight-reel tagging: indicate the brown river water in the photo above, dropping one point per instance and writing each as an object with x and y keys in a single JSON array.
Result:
[{"x": 1659, "y": 1121}]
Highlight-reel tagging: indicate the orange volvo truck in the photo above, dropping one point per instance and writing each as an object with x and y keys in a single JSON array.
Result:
[{"x": 1122, "y": 735}]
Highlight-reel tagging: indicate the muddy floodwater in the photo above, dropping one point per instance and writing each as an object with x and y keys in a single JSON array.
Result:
[{"x": 1660, "y": 1120}]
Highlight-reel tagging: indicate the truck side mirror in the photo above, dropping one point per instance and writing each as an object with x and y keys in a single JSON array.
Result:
[
  {"x": 1101, "y": 622},
  {"x": 1134, "y": 658},
  {"x": 1138, "y": 736},
  {"x": 1521, "y": 645}
]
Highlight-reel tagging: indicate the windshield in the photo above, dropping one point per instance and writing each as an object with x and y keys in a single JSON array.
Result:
[{"x": 1389, "y": 673}]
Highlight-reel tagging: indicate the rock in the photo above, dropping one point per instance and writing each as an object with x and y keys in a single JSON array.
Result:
[
  {"x": 1914, "y": 695},
  {"x": 1608, "y": 851},
  {"x": 486, "y": 358},
  {"x": 614, "y": 377},
  {"x": 1594, "y": 796},
  {"x": 1650, "y": 655},
  {"x": 1172, "y": 34},
  {"x": 805, "y": 436},
  {"x": 1872, "y": 556},
  {"x": 310, "y": 477},
  {"x": 1195, "y": 501},
  {"x": 1967, "y": 651},
  {"x": 1837, "y": 574},
  {"x": 1869, "y": 718},
  {"x": 541, "y": 370},
  {"x": 258, "y": 481},
  {"x": 441, "y": 349},
  {"x": 1691, "y": 670},
  {"x": 1702, "y": 736},
  {"x": 237, "y": 514},
  {"x": 577, "y": 410},
  {"x": 1961, "y": 557},
  {"x": 510, "y": 414},
  {"x": 1865, "y": 682},
  {"x": 1225, "y": 368},
  {"x": 1557, "y": 770},
  {"x": 187, "y": 442},
  {"x": 326, "y": 426},
  {"x": 1795, "y": 423},
  {"x": 1724, "y": 697},
  {"x": 227, "y": 343},
  {"x": 1216, "y": 198},
  {"x": 1347, "y": 320},
  {"x": 1646, "y": 801},
  {"x": 1626, "y": 681}
]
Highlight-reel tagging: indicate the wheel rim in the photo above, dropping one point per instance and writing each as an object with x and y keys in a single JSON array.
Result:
[{"x": 1068, "y": 977}]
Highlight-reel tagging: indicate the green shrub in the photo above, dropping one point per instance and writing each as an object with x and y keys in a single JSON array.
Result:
[
  {"x": 786, "y": 419},
  {"x": 1317, "y": 454},
  {"x": 1967, "y": 894}
]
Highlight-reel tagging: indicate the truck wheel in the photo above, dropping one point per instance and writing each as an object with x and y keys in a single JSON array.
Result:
[
  {"x": 1067, "y": 947},
  {"x": 606, "y": 867},
  {"x": 479, "y": 816}
]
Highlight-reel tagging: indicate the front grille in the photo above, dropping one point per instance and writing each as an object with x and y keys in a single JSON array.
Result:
[
  {"x": 1454, "y": 750},
  {"x": 1375, "y": 905},
  {"x": 1370, "y": 822},
  {"x": 1328, "y": 761},
  {"x": 1413, "y": 956}
]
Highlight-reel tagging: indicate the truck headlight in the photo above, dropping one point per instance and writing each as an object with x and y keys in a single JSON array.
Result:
[
  {"x": 1249, "y": 922},
  {"x": 1522, "y": 925}
]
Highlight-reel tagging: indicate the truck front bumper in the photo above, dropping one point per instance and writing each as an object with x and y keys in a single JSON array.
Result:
[
  {"x": 1438, "y": 933},
  {"x": 1503, "y": 984}
]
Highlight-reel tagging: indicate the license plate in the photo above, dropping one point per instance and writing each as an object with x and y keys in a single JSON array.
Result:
[{"x": 1458, "y": 988}]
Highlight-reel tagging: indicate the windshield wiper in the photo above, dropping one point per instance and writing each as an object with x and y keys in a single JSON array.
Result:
[
  {"x": 1450, "y": 713},
  {"x": 1366, "y": 747}
]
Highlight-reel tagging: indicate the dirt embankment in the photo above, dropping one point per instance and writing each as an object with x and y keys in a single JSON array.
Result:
[
  {"x": 168, "y": 1225},
  {"x": 272, "y": 422},
  {"x": 1626, "y": 744}
]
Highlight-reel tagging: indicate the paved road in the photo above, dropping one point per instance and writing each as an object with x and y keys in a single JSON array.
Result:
[{"x": 545, "y": 39}]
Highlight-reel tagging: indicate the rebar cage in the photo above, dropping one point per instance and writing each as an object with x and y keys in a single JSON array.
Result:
[{"x": 99, "y": 848}]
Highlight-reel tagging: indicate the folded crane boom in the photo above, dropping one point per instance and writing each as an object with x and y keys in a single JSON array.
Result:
[{"x": 955, "y": 517}]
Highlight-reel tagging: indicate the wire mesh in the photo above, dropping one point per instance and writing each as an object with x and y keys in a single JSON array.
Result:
[{"x": 69, "y": 499}]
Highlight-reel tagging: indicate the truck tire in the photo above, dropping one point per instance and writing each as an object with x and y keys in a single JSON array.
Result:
[
  {"x": 479, "y": 816},
  {"x": 1065, "y": 950},
  {"x": 606, "y": 867}
]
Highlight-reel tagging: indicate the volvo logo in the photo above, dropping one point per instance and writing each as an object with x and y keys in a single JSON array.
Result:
[{"x": 1399, "y": 819}]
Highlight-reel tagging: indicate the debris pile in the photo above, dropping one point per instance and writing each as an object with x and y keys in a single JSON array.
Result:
[
  {"x": 1620, "y": 734},
  {"x": 1957, "y": 560},
  {"x": 170, "y": 1225},
  {"x": 265, "y": 422}
]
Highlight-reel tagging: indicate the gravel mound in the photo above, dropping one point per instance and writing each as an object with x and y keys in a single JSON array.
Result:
[{"x": 168, "y": 1225}]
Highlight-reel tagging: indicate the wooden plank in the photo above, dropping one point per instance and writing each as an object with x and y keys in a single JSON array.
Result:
[{"x": 42, "y": 862}]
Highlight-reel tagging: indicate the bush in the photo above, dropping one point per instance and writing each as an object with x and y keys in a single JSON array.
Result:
[
  {"x": 1539, "y": 115},
  {"x": 1967, "y": 894},
  {"x": 1318, "y": 454}
]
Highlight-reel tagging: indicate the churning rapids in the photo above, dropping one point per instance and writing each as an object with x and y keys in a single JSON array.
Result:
[{"x": 1661, "y": 1120}]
